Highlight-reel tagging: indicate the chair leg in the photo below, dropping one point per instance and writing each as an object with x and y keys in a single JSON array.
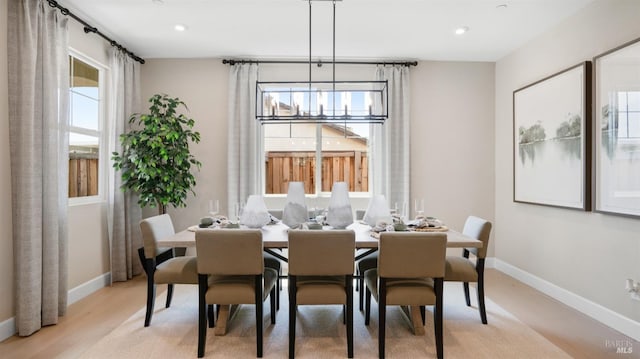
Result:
[
  {"x": 202, "y": 319},
  {"x": 382, "y": 314},
  {"x": 367, "y": 312},
  {"x": 272, "y": 300},
  {"x": 210, "y": 316},
  {"x": 361, "y": 294},
  {"x": 349, "y": 288},
  {"x": 169, "y": 295},
  {"x": 465, "y": 286},
  {"x": 344, "y": 314},
  {"x": 480, "y": 290},
  {"x": 437, "y": 320},
  {"x": 259, "y": 306},
  {"x": 151, "y": 291},
  {"x": 292, "y": 316},
  {"x": 423, "y": 314},
  {"x": 278, "y": 289}
]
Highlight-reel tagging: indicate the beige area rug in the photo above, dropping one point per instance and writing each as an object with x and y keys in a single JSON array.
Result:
[{"x": 320, "y": 333}]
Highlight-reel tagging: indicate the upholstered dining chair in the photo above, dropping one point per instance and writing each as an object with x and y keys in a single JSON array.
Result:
[
  {"x": 231, "y": 271},
  {"x": 410, "y": 272},
  {"x": 160, "y": 265},
  {"x": 321, "y": 272},
  {"x": 462, "y": 269}
]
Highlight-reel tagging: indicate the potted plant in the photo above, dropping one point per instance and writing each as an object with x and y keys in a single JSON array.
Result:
[{"x": 155, "y": 160}]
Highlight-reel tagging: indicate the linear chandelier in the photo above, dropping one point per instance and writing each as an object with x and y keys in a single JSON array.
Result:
[{"x": 335, "y": 102}]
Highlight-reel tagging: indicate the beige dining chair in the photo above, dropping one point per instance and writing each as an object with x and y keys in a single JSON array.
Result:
[
  {"x": 410, "y": 272},
  {"x": 160, "y": 265},
  {"x": 231, "y": 271},
  {"x": 321, "y": 272},
  {"x": 462, "y": 269}
]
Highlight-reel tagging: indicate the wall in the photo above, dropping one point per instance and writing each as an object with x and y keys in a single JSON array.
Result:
[
  {"x": 436, "y": 89},
  {"x": 6, "y": 234},
  {"x": 587, "y": 254},
  {"x": 452, "y": 136},
  {"x": 202, "y": 85}
]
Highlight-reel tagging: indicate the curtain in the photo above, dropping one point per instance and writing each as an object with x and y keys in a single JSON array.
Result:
[
  {"x": 391, "y": 141},
  {"x": 123, "y": 213},
  {"x": 38, "y": 68},
  {"x": 244, "y": 167}
]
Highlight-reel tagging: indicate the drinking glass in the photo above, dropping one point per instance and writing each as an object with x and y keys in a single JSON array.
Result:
[
  {"x": 214, "y": 207},
  {"x": 419, "y": 207}
]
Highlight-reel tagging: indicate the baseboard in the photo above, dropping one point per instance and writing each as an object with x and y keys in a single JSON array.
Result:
[
  {"x": 8, "y": 327},
  {"x": 86, "y": 288},
  {"x": 594, "y": 310}
]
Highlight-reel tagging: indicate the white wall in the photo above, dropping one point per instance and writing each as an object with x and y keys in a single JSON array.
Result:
[{"x": 588, "y": 254}]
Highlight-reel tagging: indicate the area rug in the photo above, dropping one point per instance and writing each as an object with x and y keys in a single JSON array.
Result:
[{"x": 321, "y": 334}]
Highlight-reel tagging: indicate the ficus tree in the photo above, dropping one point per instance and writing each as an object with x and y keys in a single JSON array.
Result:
[{"x": 155, "y": 161}]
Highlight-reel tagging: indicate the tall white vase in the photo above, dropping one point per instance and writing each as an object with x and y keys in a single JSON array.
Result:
[
  {"x": 339, "y": 214},
  {"x": 295, "y": 210}
]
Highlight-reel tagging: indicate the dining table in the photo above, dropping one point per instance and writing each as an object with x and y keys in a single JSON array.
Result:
[{"x": 275, "y": 236}]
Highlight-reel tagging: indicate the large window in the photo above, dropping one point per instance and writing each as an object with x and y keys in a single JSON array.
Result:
[
  {"x": 317, "y": 154},
  {"x": 86, "y": 128}
]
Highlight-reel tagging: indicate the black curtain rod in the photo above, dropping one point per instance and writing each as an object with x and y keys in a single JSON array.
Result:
[
  {"x": 88, "y": 28},
  {"x": 319, "y": 62}
]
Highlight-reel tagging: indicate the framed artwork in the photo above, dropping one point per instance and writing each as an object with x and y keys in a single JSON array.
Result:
[
  {"x": 617, "y": 130},
  {"x": 552, "y": 138}
]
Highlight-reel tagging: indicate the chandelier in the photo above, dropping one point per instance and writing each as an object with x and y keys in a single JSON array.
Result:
[{"x": 332, "y": 102}]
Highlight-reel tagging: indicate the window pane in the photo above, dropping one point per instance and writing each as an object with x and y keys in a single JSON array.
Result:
[
  {"x": 84, "y": 154},
  {"x": 633, "y": 101},
  {"x": 634, "y": 124},
  {"x": 289, "y": 156},
  {"x": 345, "y": 157},
  {"x": 84, "y": 112}
]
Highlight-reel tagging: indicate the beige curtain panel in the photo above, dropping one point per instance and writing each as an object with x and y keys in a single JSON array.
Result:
[{"x": 38, "y": 120}]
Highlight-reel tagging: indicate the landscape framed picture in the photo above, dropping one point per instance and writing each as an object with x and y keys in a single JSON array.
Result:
[
  {"x": 617, "y": 130},
  {"x": 552, "y": 138}
]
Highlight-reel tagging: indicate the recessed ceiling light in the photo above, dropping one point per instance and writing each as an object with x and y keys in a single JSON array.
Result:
[
  {"x": 180, "y": 27},
  {"x": 462, "y": 30},
  {"x": 502, "y": 6},
  {"x": 158, "y": 2}
]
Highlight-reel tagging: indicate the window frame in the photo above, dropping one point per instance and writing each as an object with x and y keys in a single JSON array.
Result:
[{"x": 101, "y": 133}]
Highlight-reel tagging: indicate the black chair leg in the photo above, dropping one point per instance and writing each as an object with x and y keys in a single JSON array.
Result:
[
  {"x": 169, "y": 295},
  {"x": 382, "y": 314},
  {"x": 423, "y": 314},
  {"x": 349, "y": 288},
  {"x": 272, "y": 301},
  {"x": 480, "y": 289},
  {"x": 210, "y": 316},
  {"x": 202, "y": 317},
  {"x": 437, "y": 320},
  {"x": 465, "y": 286},
  {"x": 367, "y": 312},
  {"x": 278, "y": 289},
  {"x": 292, "y": 316},
  {"x": 151, "y": 291},
  {"x": 259, "y": 304},
  {"x": 361, "y": 294}
]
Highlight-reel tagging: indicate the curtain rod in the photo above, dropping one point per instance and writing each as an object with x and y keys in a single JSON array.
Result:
[
  {"x": 319, "y": 62},
  {"x": 88, "y": 28}
]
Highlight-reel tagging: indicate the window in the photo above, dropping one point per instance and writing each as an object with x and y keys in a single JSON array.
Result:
[
  {"x": 85, "y": 128},
  {"x": 628, "y": 114},
  {"x": 316, "y": 154}
]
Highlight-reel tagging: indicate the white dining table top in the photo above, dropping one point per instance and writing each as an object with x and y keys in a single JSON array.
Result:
[{"x": 275, "y": 236}]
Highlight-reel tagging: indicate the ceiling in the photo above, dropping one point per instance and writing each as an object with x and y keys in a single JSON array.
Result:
[{"x": 365, "y": 29}]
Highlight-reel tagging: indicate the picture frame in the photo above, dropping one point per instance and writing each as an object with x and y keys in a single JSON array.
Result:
[
  {"x": 552, "y": 140},
  {"x": 617, "y": 130}
]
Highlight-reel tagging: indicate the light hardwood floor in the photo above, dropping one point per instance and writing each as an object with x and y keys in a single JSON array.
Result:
[{"x": 92, "y": 318}]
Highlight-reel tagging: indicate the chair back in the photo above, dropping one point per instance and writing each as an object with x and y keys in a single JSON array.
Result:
[
  {"x": 479, "y": 229},
  {"x": 229, "y": 251},
  {"x": 154, "y": 229},
  {"x": 412, "y": 254},
  {"x": 321, "y": 253}
]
